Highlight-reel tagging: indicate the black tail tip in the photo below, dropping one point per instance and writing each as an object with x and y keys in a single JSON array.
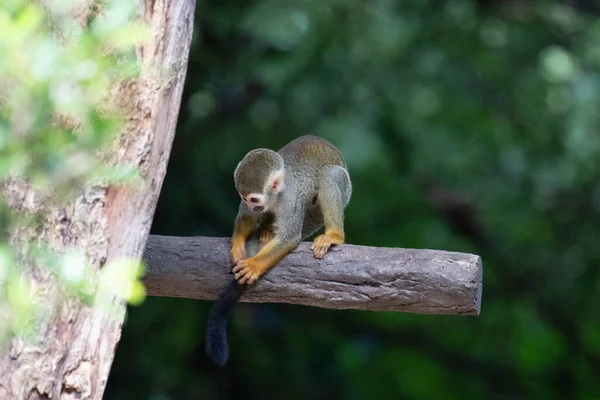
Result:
[{"x": 217, "y": 354}]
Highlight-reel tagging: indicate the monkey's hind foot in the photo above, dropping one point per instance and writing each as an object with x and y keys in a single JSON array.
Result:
[
  {"x": 322, "y": 243},
  {"x": 266, "y": 235},
  {"x": 248, "y": 271}
]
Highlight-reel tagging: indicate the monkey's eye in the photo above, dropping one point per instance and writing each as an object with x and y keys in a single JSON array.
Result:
[
  {"x": 253, "y": 200},
  {"x": 243, "y": 197}
]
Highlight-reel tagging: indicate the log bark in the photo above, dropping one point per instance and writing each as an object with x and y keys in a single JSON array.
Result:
[
  {"x": 77, "y": 344},
  {"x": 348, "y": 277}
]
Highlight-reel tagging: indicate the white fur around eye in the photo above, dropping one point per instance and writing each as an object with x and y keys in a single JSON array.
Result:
[{"x": 259, "y": 197}]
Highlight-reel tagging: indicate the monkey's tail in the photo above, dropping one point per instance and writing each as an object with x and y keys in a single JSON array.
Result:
[{"x": 216, "y": 327}]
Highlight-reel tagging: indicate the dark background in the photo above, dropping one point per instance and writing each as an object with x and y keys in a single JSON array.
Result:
[{"x": 469, "y": 126}]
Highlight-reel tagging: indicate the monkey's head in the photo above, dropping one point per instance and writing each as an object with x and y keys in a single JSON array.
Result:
[{"x": 259, "y": 179}]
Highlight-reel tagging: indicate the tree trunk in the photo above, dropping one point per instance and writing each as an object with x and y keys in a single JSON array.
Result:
[{"x": 73, "y": 358}]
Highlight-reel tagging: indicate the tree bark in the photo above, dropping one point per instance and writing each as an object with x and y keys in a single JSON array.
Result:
[
  {"x": 349, "y": 276},
  {"x": 73, "y": 358}
]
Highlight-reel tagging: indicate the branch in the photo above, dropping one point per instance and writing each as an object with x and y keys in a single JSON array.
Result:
[{"x": 349, "y": 276}]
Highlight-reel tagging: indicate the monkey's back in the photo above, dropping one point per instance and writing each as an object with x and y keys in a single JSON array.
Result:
[
  {"x": 305, "y": 158},
  {"x": 311, "y": 152}
]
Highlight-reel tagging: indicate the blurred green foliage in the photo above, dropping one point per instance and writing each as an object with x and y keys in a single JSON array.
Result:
[
  {"x": 55, "y": 74},
  {"x": 467, "y": 125}
]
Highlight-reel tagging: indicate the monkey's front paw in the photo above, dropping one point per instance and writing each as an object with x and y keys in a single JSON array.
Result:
[
  {"x": 266, "y": 235},
  {"x": 247, "y": 271},
  {"x": 322, "y": 243},
  {"x": 237, "y": 253}
]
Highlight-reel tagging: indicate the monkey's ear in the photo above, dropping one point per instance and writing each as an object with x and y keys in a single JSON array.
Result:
[{"x": 276, "y": 181}]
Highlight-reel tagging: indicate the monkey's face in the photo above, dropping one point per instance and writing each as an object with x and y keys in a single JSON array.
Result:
[
  {"x": 255, "y": 202},
  {"x": 259, "y": 202}
]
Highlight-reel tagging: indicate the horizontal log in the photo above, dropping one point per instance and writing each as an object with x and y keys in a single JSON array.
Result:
[{"x": 348, "y": 277}]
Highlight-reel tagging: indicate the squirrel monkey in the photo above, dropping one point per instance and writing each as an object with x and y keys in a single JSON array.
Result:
[{"x": 286, "y": 196}]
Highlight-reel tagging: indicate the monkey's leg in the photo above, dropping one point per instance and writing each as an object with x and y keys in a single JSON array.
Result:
[
  {"x": 243, "y": 227},
  {"x": 335, "y": 190},
  {"x": 266, "y": 229},
  {"x": 250, "y": 269},
  {"x": 266, "y": 235}
]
